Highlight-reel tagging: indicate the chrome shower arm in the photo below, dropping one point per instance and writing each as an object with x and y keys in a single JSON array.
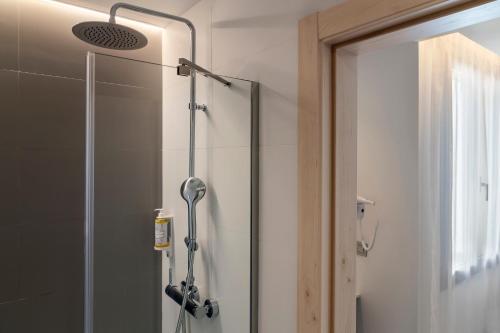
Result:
[
  {"x": 184, "y": 63},
  {"x": 147, "y": 11},
  {"x": 192, "y": 99}
]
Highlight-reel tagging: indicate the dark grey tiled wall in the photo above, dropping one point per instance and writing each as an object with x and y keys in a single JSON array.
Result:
[
  {"x": 42, "y": 126},
  {"x": 128, "y": 189},
  {"x": 41, "y": 203}
]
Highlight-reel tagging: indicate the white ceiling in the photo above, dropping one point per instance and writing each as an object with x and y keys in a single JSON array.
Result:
[
  {"x": 487, "y": 34},
  {"x": 176, "y": 7}
]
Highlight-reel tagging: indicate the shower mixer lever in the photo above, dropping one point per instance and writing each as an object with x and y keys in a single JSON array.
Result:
[{"x": 209, "y": 308}]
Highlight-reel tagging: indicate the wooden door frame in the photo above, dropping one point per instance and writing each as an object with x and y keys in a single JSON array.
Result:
[{"x": 321, "y": 35}]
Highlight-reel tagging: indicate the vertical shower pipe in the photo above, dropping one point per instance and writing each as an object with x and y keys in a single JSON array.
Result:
[
  {"x": 192, "y": 130},
  {"x": 89, "y": 195}
]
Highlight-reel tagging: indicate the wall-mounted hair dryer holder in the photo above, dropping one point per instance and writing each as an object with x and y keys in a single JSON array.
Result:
[
  {"x": 209, "y": 309},
  {"x": 361, "y": 205},
  {"x": 363, "y": 247}
]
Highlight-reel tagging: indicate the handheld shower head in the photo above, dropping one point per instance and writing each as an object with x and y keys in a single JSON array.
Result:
[
  {"x": 192, "y": 190},
  {"x": 110, "y": 35}
]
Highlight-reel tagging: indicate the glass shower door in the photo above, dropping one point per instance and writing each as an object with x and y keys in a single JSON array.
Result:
[
  {"x": 137, "y": 159},
  {"x": 124, "y": 152}
]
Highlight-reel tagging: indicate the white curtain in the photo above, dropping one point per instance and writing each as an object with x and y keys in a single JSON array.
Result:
[
  {"x": 473, "y": 90},
  {"x": 492, "y": 117},
  {"x": 459, "y": 153}
]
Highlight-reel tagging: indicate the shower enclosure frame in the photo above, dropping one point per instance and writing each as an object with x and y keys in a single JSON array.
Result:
[
  {"x": 89, "y": 197},
  {"x": 88, "y": 323}
]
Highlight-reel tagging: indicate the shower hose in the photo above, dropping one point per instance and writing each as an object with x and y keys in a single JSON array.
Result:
[{"x": 181, "y": 323}]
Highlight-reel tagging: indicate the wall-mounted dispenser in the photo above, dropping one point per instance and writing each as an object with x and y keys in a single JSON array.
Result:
[
  {"x": 164, "y": 238},
  {"x": 163, "y": 230}
]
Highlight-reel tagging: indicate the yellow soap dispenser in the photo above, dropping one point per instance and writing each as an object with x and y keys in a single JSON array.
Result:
[{"x": 163, "y": 230}]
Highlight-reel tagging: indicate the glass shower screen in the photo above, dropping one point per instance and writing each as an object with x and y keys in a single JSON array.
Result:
[{"x": 136, "y": 161}]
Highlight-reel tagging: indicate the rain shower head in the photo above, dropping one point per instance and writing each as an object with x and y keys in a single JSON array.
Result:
[{"x": 110, "y": 35}]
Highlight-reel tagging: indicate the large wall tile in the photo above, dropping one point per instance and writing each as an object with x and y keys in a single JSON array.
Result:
[
  {"x": 52, "y": 275},
  {"x": 127, "y": 118},
  {"x": 39, "y": 260},
  {"x": 133, "y": 73},
  {"x": 10, "y": 199},
  {"x": 16, "y": 317},
  {"x": 230, "y": 117},
  {"x": 127, "y": 310},
  {"x": 126, "y": 180},
  {"x": 230, "y": 279},
  {"x": 9, "y": 99},
  {"x": 10, "y": 261},
  {"x": 229, "y": 189},
  {"x": 278, "y": 118},
  {"x": 9, "y": 124},
  {"x": 278, "y": 239},
  {"x": 126, "y": 250},
  {"x": 9, "y": 18},
  {"x": 55, "y": 312},
  {"x": 127, "y": 274},
  {"x": 51, "y": 185},
  {"x": 278, "y": 77},
  {"x": 52, "y": 113},
  {"x": 47, "y": 45}
]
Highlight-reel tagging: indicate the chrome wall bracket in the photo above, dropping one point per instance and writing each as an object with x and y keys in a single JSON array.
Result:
[
  {"x": 185, "y": 67},
  {"x": 201, "y": 107},
  {"x": 360, "y": 250}
]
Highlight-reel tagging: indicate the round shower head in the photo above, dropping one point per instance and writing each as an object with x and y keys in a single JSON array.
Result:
[
  {"x": 110, "y": 35},
  {"x": 193, "y": 190}
]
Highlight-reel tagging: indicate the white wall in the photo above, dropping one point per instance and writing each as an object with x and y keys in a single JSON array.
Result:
[
  {"x": 388, "y": 174},
  {"x": 257, "y": 40},
  {"x": 223, "y": 162},
  {"x": 485, "y": 34}
]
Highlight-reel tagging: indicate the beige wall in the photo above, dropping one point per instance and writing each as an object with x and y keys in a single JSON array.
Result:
[{"x": 388, "y": 174}]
